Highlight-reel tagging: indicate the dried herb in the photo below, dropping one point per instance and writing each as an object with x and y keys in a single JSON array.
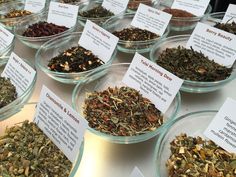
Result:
[
  {"x": 178, "y": 12},
  {"x": 194, "y": 156},
  {"x": 121, "y": 112},
  {"x": 17, "y": 13},
  {"x": 228, "y": 27},
  {"x": 70, "y": 1},
  {"x": 96, "y": 12},
  {"x": 7, "y": 92},
  {"x": 26, "y": 151},
  {"x": 75, "y": 59},
  {"x": 133, "y": 4},
  {"x": 41, "y": 29},
  {"x": 135, "y": 34},
  {"x": 192, "y": 65},
  {"x": 4, "y": 1}
]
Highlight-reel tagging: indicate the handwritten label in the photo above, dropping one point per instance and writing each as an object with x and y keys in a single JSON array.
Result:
[
  {"x": 115, "y": 6},
  {"x": 136, "y": 173},
  {"x": 222, "y": 129},
  {"x": 154, "y": 82},
  {"x": 101, "y": 42},
  {"x": 6, "y": 38},
  {"x": 62, "y": 14},
  {"x": 60, "y": 123},
  {"x": 19, "y": 72},
  {"x": 230, "y": 14},
  {"x": 151, "y": 19},
  {"x": 196, "y": 7},
  {"x": 217, "y": 44},
  {"x": 34, "y": 5}
]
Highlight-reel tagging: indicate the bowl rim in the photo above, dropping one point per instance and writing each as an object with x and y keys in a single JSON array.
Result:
[
  {"x": 159, "y": 143},
  {"x": 124, "y": 139},
  {"x": 186, "y": 36}
]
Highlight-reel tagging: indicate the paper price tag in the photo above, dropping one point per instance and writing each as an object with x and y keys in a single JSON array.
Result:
[
  {"x": 153, "y": 81},
  {"x": 20, "y": 73},
  {"x": 6, "y": 37},
  {"x": 101, "y": 42},
  {"x": 136, "y": 173},
  {"x": 230, "y": 14},
  {"x": 222, "y": 129},
  {"x": 217, "y": 44},
  {"x": 60, "y": 123},
  {"x": 34, "y": 5},
  {"x": 115, "y": 6},
  {"x": 62, "y": 14},
  {"x": 196, "y": 7},
  {"x": 151, "y": 19}
]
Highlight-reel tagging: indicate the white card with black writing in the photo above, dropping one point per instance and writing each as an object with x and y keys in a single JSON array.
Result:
[
  {"x": 34, "y": 5},
  {"x": 115, "y": 6},
  {"x": 230, "y": 14},
  {"x": 6, "y": 38}
]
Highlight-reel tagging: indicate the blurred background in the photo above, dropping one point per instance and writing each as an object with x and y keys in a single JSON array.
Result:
[{"x": 221, "y": 5}]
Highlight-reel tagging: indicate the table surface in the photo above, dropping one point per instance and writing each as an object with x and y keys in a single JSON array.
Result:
[{"x": 104, "y": 159}]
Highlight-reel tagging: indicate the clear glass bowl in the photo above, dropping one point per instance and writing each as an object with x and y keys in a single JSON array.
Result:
[
  {"x": 188, "y": 86},
  {"x": 9, "y": 23},
  {"x": 193, "y": 124},
  {"x": 35, "y": 42},
  {"x": 5, "y": 53},
  {"x": 122, "y": 21},
  {"x": 16, "y": 105},
  {"x": 53, "y": 48},
  {"x": 27, "y": 113},
  {"x": 213, "y": 18},
  {"x": 111, "y": 76},
  {"x": 133, "y": 4},
  {"x": 183, "y": 23}
]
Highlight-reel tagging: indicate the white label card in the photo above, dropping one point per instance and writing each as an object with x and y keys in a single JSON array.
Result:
[
  {"x": 196, "y": 7},
  {"x": 101, "y": 42},
  {"x": 115, "y": 6},
  {"x": 20, "y": 73},
  {"x": 230, "y": 14},
  {"x": 62, "y": 14},
  {"x": 153, "y": 81},
  {"x": 6, "y": 37},
  {"x": 222, "y": 129},
  {"x": 136, "y": 173},
  {"x": 60, "y": 123},
  {"x": 217, "y": 44},
  {"x": 151, "y": 19},
  {"x": 34, "y": 5}
]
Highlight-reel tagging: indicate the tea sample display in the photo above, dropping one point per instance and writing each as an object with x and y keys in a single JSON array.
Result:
[
  {"x": 43, "y": 28},
  {"x": 7, "y": 92},
  {"x": 133, "y": 4},
  {"x": 96, "y": 12},
  {"x": 75, "y": 59},
  {"x": 26, "y": 151},
  {"x": 121, "y": 112},
  {"x": 16, "y": 13},
  {"x": 192, "y": 65},
  {"x": 194, "y": 156},
  {"x": 178, "y": 12},
  {"x": 229, "y": 27}
]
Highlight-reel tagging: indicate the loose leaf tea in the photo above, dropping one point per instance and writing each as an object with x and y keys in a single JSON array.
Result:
[
  {"x": 7, "y": 92},
  {"x": 121, "y": 112},
  {"x": 70, "y": 1},
  {"x": 96, "y": 12},
  {"x": 178, "y": 12},
  {"x": 133, "y": 4},
  {"x": 192, "y": 65},
  {"x": 17, "y": 13},
  {"x": 75, "y": 59},
  {"x": 194, "y": 156},
  {"x": 3, "y": 1},
  {"x": 135, "y": 34},
  {"x": 41, "y": 29},
  {"x": 228, "y": 27},
  {"x": 26, "y": 151}
]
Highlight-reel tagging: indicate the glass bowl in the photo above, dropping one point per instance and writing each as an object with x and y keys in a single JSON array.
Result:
[
  {"x": 183, "y": 23},
  {"x": 54, "y": 47},
  {"x": 5, "y": 53},
  {"x": 111, "y": 76},
  {"x": 35, "y": 42},
  {"x": 213, "y": 18},
  {"x": 16, "y": 105},
  {"x": 27, "y": 113},
  {"x": 9, "y": 23},
  {"x": 133, "y": 4},
  {"x": 193, "y": 124},
  {"x": 188, "y": 86},
  {"x": 122, "y": 21}
]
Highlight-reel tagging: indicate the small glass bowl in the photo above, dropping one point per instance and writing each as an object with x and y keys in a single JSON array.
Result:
[
  {"x": 16, "y": 105},
  {"x": 122, "y": 21},
  {"x": 133, "y": 4},
  {"x": 111, "y": 76},
  {"x": 183, "y": 23},
  {"x": 188, "y": 86},
  {"x": 35, "y": 42},
  {"x": 9, "y": 23},
  {"x": 213, "y": 18},
  {"x": 27, "y": 113},
  {"x": 53, "y": 48},
  {"x": 5, "y": 53},
  {"x": 193, "y": 124}
]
